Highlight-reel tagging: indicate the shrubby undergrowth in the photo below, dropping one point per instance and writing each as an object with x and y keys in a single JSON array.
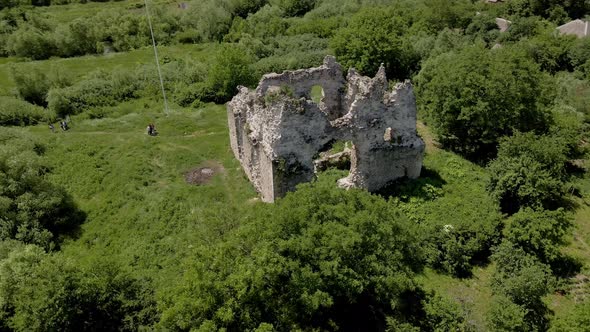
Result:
[{"x": 32, "y": 209}]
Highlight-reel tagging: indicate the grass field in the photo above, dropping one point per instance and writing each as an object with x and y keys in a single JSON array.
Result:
[
  {"x": 70, "y": 12},
  {"x": 78, "y": 67},
  {"x": 140, "y": 209}
]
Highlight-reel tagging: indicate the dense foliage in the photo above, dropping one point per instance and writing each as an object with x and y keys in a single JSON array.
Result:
[
  {"x": 374, "y": 37},
  {"x": 321, "y": 258},
  {"x": 32, "y": 209},
  {"x": 16, "y": 112},
  {"x": 520, "y": 282},
  {"x": 472, "y": 97},
  {"x": 529, "y": 171},
  {"x": 43, "y": 292}
]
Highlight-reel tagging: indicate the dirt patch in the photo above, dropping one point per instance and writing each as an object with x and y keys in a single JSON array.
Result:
[{"x": 203, "y": 173}]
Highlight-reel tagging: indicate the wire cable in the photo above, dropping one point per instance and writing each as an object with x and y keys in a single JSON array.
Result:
[{"x": 147, "y": 12}]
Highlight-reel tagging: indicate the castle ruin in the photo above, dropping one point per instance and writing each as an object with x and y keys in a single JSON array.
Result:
[{"x": 277, "y": 131}]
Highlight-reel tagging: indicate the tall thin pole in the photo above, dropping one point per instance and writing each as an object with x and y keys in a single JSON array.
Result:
[{"x": 147, "y": 12}]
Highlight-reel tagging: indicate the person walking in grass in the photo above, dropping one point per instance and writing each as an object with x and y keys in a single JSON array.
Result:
[{"x": 151, "y": 130}]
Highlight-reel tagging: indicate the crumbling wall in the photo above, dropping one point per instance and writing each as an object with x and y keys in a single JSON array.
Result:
[{"x": 277, "y": 131}]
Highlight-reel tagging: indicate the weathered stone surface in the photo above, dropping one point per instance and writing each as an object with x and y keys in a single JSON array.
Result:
[{"x": 277, "y": 131}]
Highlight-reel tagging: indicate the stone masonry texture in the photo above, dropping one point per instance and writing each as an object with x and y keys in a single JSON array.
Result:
[{"x": 277, "y": 131}]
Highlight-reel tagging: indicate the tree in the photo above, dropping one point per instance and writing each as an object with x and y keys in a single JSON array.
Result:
[
  {"x": 374, "y": 36},
  {"x": 295, "y": 7},
  {"x": 539, "y": 232},
  {"x": 319, "y": 259},
  {"x": 49, "y": 292},
  {"x": 242, "y": 8},
  {"x": 232, "y": 68},
  {"x": 474, "y": 96},
  {"x": 529, "y": 171},
  {"x": 522, "y": 280}
]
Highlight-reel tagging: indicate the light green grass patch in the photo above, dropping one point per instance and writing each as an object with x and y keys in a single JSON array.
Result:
[
  {"x": 140, "y": 209},
  {"x": 78, "y": 68}
]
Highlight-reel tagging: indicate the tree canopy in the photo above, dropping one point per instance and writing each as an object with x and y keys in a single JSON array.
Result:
[{"x": 474, "y": 96}]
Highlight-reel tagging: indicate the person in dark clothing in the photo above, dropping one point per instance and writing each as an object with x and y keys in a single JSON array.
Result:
[{"x": 151, "y": 130}]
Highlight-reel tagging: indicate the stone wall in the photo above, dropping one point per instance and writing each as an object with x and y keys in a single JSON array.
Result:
[{"x": 277, "y": 131}]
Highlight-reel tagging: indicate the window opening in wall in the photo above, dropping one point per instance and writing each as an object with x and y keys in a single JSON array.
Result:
[{"x": 317, "y": 92}]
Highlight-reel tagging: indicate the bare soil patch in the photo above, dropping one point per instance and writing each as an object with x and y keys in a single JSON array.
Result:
[{"x": 203, "y": 173}]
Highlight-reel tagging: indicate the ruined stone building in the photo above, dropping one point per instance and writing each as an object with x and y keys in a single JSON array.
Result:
[{"x": 277, "y": 130}]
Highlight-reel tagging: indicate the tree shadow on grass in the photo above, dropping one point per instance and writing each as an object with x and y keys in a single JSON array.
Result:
[
  {"x": 424, "y": 187},
  {"x": 68, "y": 221}
]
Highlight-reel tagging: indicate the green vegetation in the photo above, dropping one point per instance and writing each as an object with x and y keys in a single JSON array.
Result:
[
  {"x": 475, "y": 96},
  {"x": 32, "y": 209},
  {"x": 100, "y": 230}
]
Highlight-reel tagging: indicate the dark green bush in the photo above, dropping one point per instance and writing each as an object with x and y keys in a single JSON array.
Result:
[
  {"x": 32, "y": 209},
  {"x": 43, "y": 292},
  {"x": 539, "y": 233},
  {"x": 100, "y": 89},
  {"x": 529, "y": 172},
  {"x": 576, "y": 319},
  {"x": 31, "y": 42},
  {"x": 231, "y": 68},
  {"x": 321, "y": 258},
  {"x": 375, "y": 36},
  {"x": 524, "y": 281}
]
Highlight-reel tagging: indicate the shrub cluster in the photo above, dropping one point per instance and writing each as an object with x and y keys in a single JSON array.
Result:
[
  {"x": 16, "y": 112},
  {"x": 32, "y": 209},
  {"x": 44, "y": 292}
]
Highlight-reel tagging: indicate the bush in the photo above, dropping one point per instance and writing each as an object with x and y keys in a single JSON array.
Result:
[
  {"x": 319, "y": 259},
  {"x": 522, "y": 280},
  {"x": 15, "y": 112},
  {"x": 32, "y": 209},
  {"x": 30, "y": 42},
  {"x": 100, "y": 89},
  {"x": 231, "y": 68},
  {"x": 32, "y": 85},
  {"x": 576, "y": 319},
  {"x": 474, "y": 96},
  {"x": 539, "y": 233},
  {"x": 212, "y": 19},
  {"x": 458, "y": 238},
  {"x": 375, "y": 36},
  {"x": 459, "y": 220},
  {"x": 529, "y": 172},
  {"x": 507, "y": 316},
  {"x": 443, "y": 314},
  {"x": 43, "y": 292}
]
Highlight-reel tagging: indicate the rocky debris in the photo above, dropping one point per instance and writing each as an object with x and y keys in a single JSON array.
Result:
[
  {"x": 340, "y": 160},
  {"x": 277, "y": 130}
]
